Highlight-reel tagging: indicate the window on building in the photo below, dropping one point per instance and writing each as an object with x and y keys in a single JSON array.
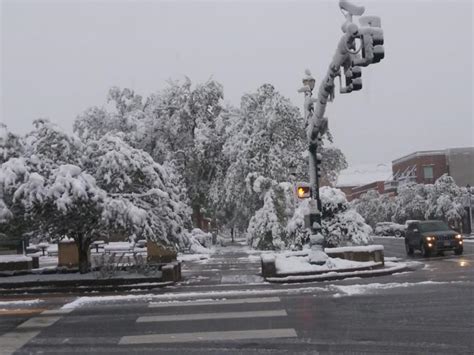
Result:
[{"x": 428, "y": 172}]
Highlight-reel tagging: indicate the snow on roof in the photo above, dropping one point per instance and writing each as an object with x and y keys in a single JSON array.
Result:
[{"x": 361, "y": 174}]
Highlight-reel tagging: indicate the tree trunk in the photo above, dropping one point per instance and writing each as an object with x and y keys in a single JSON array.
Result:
[
  {"x": 232, "y": 233},
  {"x": 83, "y": 256}
]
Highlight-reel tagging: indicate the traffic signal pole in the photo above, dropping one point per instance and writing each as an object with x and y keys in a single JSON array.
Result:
[{"x": 348, "y": 59}]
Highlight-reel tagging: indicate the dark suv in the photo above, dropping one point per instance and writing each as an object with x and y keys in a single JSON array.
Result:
[{"x": 432, "y": 237}]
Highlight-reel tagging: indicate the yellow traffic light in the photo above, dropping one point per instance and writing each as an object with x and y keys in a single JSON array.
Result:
[{"x": 303, "y": 191}]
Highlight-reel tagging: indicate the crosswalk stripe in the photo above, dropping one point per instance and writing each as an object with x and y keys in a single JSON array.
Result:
[
  {"x": 38, "y": 322},
  {"x": 221, "y": 315},
  {"x": 215, "y": 302},
  {"x": 208, "y": 336},
  {"x": 11, "y": 342}
]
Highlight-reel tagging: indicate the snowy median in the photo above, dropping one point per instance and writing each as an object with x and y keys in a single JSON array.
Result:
[{"x": 332, "y": 264}]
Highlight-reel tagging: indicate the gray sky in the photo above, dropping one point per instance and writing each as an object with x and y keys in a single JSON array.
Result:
[{"x": 60, "y": 57}]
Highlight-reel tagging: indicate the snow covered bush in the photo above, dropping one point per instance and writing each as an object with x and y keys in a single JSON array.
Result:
[
  {"x": 341, "y": 225},
  {"x": 267, "y": 228}
]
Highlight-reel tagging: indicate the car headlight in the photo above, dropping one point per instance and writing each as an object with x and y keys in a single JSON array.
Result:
[
  {"x": 430, "y": 239},
  {"x": 459, "y": 237}
]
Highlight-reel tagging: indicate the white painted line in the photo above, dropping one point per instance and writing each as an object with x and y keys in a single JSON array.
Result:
[
  {"x": 11, "y": 342},
  {"x": 57, "y": 311},
  {"x": 38, "y": 322},
  {"x": 214, "y": 302},
  {"x": 222, "y": 315},
  {"x": 208, "y": 336}
]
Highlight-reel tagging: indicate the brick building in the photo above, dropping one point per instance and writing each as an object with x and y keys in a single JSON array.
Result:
[{"x": 425, "y": 167}]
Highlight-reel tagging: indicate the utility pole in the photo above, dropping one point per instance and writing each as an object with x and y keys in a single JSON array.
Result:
[{"x": 347, "y": 63}]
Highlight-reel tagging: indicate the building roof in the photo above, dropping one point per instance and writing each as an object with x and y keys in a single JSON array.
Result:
[
  {"x": 419, "y": 154},
  {"x": 362, "y": 174}
]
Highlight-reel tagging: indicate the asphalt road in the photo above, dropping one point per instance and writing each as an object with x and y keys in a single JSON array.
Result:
[{"x": 224, "y": 307}]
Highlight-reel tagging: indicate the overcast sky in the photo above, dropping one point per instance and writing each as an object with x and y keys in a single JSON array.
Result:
[{"x": 60, "y": 57}]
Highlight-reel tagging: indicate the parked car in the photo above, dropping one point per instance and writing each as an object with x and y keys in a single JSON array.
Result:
[
  {"x": 432, "y": 237},
  {"x": 389, "y": 228}
]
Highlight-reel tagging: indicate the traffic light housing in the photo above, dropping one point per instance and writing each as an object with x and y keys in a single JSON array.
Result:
[
  {"x": 353, "y": 79},
  {"x": 371, "y": 35},
  {"x": 303, "y": 190}
]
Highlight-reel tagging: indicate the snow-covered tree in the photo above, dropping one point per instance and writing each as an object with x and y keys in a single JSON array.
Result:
[
  {"x": 187, "y": 120},
  {"x": 411, "y": 202},
  {"x": 10, "y": 144},
  {"x": 71, "y": 204},
  {"x": 374, "y": 207},
  {"x": 267, "y": 228},
  {"x": 48, "y": 146},
  {"x": 15, "y": 221},
  {"x": 444, "y": 201},
  {"x": 333, "y": 161},
  {"x": 267, "y": 140},
  {"x": 135, "y": 180}
]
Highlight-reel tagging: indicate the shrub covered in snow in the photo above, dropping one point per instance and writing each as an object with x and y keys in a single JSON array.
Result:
[
  {"x": 198, "y": 242},
  {"x": 340, "y": 224},
  {"x": 267, "y": 228}
]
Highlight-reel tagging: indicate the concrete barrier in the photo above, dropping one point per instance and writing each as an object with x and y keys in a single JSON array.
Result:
[
  {"x": 171, "y": 272},
  {"x": 268, "y": 266},
  {"x": 358, "y": 253},
  {"x": 17, "y": 263}
]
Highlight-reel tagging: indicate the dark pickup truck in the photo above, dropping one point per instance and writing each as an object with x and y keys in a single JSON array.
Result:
[{"x": 432, "y": 237}]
